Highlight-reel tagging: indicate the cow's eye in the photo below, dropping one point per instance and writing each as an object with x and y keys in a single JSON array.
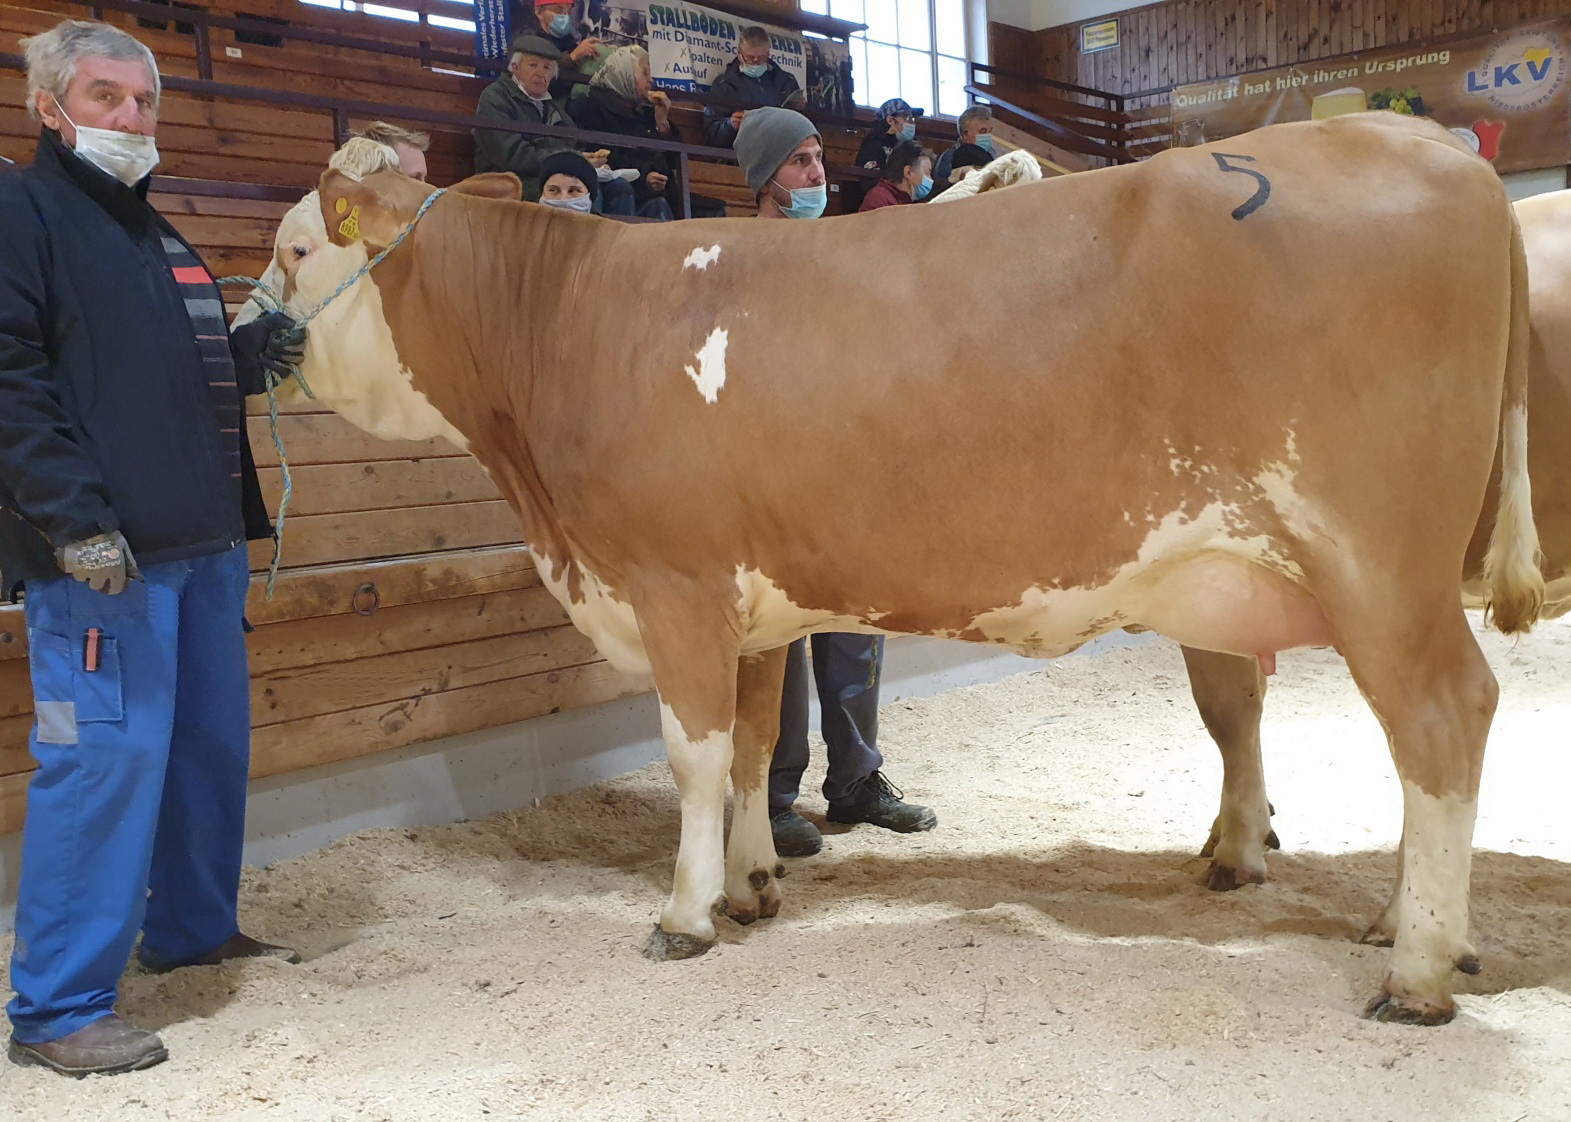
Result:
[{"x": 300, "y": 250}]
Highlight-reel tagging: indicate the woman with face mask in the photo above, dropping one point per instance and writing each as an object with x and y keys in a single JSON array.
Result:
[
  {"x": 556, "y": 21},
  {"x": 568, "y": 182},
  {"x": 896, "y": 124},
  {"x": 907, "y": 179}
]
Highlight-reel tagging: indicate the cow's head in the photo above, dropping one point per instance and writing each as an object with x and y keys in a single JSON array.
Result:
[{"x": 352, "y": 362}]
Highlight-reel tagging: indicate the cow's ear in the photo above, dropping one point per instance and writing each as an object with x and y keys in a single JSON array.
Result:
[
  {"x": 492, "y": 185},
  {"x": 359, "y": 210}
]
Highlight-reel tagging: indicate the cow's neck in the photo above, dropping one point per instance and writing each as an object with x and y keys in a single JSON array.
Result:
[{"x": 477, "y": 324}]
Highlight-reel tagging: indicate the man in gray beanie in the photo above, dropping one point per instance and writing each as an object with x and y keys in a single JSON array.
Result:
[{"x": 783, "y": 159}]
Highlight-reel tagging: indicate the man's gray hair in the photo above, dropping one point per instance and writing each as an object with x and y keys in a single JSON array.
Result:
[
  {"x": 972, "y": 116},
  {"x": 52, "y": 57}
]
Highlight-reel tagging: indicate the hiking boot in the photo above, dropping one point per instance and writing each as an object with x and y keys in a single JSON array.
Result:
[
  {"x": 794, "y": 835},
  {"x": 879, "y": 802},
  {"x": 108, "y": 1046},
  {"x": 236, "y": 946}
]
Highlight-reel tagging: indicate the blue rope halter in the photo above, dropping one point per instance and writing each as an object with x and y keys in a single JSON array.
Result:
[{"x": 272, "y": 380}]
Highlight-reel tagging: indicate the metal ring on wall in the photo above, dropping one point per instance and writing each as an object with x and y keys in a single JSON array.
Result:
[{"x": 367, "y": 589}]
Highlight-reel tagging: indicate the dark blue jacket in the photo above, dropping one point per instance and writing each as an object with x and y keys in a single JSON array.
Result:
[{"x": 106, "y": 418}]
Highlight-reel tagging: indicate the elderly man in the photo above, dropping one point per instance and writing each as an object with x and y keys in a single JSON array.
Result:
[
  {"x": 751, "y": 77},
  {"x": 975, "y": 127},
  {"x": 783, "y": 159},
  {"x": 127, "y": 494},
  {"x": 523, "y": 94}
]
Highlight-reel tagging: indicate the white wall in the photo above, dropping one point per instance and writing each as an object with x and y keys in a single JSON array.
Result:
[
  {"x": 1521, "y": 184},
  {"x": 1034, "y": 15}
]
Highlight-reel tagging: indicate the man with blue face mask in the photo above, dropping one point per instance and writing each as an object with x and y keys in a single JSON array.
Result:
[
  {"x": 127, "y": 494},
  {"x": 753, "y": 78},
  {"x": 783, "y": 158},
  {"x": 975, "y": 126}
]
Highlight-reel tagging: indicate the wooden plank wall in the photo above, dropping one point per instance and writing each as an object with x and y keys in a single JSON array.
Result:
[{"x": 1183, "y": 41}]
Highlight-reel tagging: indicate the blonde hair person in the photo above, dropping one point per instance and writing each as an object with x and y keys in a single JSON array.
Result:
[
  {"x": 302, "y": 227},
  {"x": 409, "y": 146}
]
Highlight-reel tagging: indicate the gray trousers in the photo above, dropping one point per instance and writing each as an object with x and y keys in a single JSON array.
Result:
[{"x": 846, "y": 668}]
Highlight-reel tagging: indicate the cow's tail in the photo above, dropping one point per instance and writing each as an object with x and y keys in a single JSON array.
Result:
[{"x": 1514, "y": 584}]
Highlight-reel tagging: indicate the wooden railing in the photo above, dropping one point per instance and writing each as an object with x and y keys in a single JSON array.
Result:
[{"x": 1116, "y": 128}]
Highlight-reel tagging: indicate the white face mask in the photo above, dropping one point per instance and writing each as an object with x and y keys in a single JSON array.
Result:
[
  {"x": 125, "y": 155},
  {"x": 581, "y": 203}
]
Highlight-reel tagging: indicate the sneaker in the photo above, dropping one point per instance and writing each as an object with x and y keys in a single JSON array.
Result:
[
  {"x": 794, "y": 835},
  {"x": 108, "y": 1046},
  {"x": 236, "y": 946},
  {"x": 881, "y": 803}
]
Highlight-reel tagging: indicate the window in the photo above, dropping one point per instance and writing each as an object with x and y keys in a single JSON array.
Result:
[
  {"x": 393, "y": 12},
  {"x": 915, "y": 49}
]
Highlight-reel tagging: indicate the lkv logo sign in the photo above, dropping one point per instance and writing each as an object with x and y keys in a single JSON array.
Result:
[{"x": 1521, "y": 72}]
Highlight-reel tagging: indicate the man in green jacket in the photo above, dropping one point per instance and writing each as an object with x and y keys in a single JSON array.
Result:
[{"x": 523, "y": 94}]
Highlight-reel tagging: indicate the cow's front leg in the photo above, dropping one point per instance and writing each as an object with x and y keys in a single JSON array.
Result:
[
  {"x": 1230, "y": 693},
  {"x": 691, "y": 636},
  {"x": 752, "y": 871}
]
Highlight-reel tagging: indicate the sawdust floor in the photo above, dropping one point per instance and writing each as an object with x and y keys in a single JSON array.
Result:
[{"x": 1046, "y": 953}]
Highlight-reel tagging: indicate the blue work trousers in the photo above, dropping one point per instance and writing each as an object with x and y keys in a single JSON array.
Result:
[
  {"x": 136, "y": 814},
  {"x": 846, "y": 668}
]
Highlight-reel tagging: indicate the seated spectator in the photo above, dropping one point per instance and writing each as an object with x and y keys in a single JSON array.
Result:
[
  {"x": 568, "y": 181},
  {"x": 622, "y": 99},
  {"x": 553, "y": 20},
  {"x": 752, "y": 77},
  {"x": 961, "y": 158},
  {"x": 896, "y": 124},
  {"x": 523, "y": 94},
  {"x": 975, "y": 127},
  {"x": 907, "y": 179},
  {"x": 409, "y": 147}
]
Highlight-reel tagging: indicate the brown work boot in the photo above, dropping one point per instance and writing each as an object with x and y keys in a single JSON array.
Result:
[
  {"x": 108, "y": 1046},
  {"x": 238, "y": 945}
]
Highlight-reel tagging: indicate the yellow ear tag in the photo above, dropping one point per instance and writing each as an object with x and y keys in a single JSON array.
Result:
[
  {"x": 341, "y": 205},
  {"x": 350, "y": 227}
]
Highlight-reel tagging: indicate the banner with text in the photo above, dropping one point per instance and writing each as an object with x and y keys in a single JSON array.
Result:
[
  {"x": 690, "y": 45},
  {"x": 1504, "y": 94}
]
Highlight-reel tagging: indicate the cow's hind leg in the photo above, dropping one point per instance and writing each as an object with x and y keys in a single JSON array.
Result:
[
  {"x": 1433, "y": 692},
  {"x": 692, "y": 644},
  {"x": 752, "y": 869},
  {"x": 1230, "y": 692}
]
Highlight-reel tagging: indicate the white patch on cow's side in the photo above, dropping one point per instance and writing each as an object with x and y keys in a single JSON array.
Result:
[
  {"x": 702, "y": 258},
  {"x": 1204, "y": 578},
  {"x": 771, "y": 619},
  {"x": 1432, "y": 914},
  {"x": 710, "y": 375},
  {"x": 610, "y": 623},
  {"x": 700, "y": 768}
]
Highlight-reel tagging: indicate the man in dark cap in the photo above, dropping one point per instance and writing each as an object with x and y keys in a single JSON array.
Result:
[
  {"x": 524, "y": 95},
  {"x": 568, "y": 182}
]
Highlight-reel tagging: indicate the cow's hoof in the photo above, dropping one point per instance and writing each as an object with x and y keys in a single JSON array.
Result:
[
  {"x": 760, "y": 900},
  {"x": 1225, "y": 878},
  {"x": 1272, "y": 841},
  {"x": 1393, "y": 1010},
  {"x": 1469, "y": 964},
  {"x": 1378, "y": 935},
  {"x": 673, "y": 946}
]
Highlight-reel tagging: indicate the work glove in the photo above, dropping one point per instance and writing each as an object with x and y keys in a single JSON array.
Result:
[
  {"x": 103, "y": 563},
  {"x": 270, "y": 346}
]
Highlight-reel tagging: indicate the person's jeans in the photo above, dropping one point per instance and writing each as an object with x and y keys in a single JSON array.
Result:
[
  {"x": 136, "y": 814},
  {"x": 846, "y": 668}
]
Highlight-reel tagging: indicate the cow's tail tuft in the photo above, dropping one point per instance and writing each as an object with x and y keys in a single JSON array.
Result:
[{"x": 1513, "y": 581}]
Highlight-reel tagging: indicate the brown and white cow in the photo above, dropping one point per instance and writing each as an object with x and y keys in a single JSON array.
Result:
[
  {"x": 1257, "y": 397},
  {"x": 1231, "y": 691}
]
